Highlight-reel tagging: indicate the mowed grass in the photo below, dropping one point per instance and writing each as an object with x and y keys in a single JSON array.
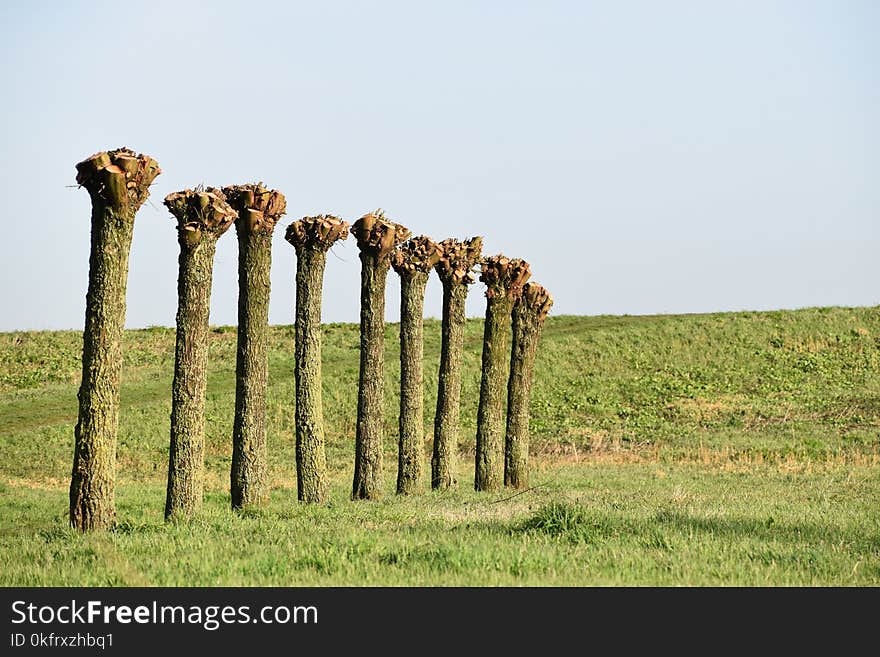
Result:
[{"x": 723, "y": 449}]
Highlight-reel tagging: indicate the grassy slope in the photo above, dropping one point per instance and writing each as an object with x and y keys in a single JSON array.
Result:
[{"x": 735, "y": 448}]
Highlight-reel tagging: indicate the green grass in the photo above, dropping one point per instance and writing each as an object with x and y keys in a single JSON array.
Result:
[{"x": 723, "y": 449}]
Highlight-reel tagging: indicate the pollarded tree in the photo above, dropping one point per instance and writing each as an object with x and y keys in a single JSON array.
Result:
[
  {"x": 413, "y": 262},
  {"x": 202, "y": 217},
  {"x": 457, "y": 260},
  {"x": 311, "y": 237},
  {"x": 529, "y": 312},
  {"x": 377, "y": 238},
  {"x": 258, "y": 210},
  {"x": 504, "y": 279},
  {"x": 118, "y": 183}
]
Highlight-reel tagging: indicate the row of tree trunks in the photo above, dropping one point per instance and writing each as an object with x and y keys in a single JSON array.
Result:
[
  {"x": 312, "y": 237},
  {"x": 529, "y": 312},
  {"x": 118, "y": 183},
  {"x": 377, "y": 238},
  {"x": 413, "y": 262},
  {"x": 457, "y": 260},
  {"x": 202, "y": 217},
  {"x": 504, "y": 279},
  {"x": 258, "y": 210}
]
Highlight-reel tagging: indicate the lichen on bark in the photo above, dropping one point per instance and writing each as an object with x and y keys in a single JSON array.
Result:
[
  {"x": 376, "y": 238},
  {"x": 413, "y": 261},
  {"x": 529, "y": 312},
  {"x": 504, "y": 279},
  {"x": 311, "y": 237},
  {"x": 203, "y": 215},
  {"x": 118, "y": 183},
  {"x": 454, "y": 267}
]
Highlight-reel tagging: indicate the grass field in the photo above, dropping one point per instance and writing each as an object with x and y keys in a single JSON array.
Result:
[{"x": 724, "y": 449}]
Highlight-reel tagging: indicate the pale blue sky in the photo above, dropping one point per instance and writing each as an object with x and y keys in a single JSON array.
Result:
[{"x": 645, "y": 157}]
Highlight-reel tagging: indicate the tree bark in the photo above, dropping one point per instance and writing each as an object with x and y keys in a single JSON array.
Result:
[
  {"x": 203, "y": 216},
  {"x": 94, "y": 470},
  {"x": 249, "y": 475},
  {"x": 187, "y": 453},
  {"x": 516, "y": 443},
  {"x": 446, "y": 419},
  {"x": 504, "y": 279},
  {"x": 368, "y": 441},
  {"x": 258, "y": 210},
  {"x": 529, "y": 313},
  {"x": 311, "y": 462},
  {"x": 118, "y": 183},
  {"x": 412, "y": 302},
  {"x": 488, "y": 475}
]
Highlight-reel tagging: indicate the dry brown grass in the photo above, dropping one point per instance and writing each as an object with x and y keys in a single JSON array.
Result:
[
  {"x": 716, "y": 459},
  {"x": 709, "y": 409}
]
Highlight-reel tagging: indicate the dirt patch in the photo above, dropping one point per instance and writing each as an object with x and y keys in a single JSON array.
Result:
[
  {"x": 47, "y": 483},
  {"x": 722, "y": 459},
  {"x": 706, "y": 408}
]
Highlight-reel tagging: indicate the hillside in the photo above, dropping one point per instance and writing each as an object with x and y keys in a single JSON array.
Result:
[{"x": 773, "y": 394}]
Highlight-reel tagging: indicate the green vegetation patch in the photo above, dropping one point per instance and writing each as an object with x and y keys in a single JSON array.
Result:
[{"x": 723, "y": 449}]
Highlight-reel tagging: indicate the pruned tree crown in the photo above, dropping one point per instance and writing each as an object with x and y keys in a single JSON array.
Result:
[
  {"x": 377, "y": 235},
  {"x": 536, "y": 300},
  {"x": 200, "y": 211},
  {"x": 504, "y": 276},
  {"x": 258, "y": 208},
  {"x": 321, "y": 232},
  {"x": 119, "y": 178},
  {"x": 416, "y": 254},
  {"x": 458, "y": 259}
]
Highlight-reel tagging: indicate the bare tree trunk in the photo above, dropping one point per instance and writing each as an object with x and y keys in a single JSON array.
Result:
[
  {"x": 249, "y": 474},
  {"x": 311, "y": 461},
  {"x": 446, "y": 418},
  {"x": 490, "y": 414},
  {"x": 203, "y": 216},
  {"x": 118, "y": 183},
  {"x": 185, "y": 466},
  {"x": 504, "y": 279},
  {"x": 413, "y": 262},
  {"x": 368, "y": 446},
  {"x": 258, "y": 211},
  {"x": 529, "y": 313},
  {"x": 411, "y": 421},
  {"x": 457, "y": 259},
  {"x": 312, "y": 237},
  {"x": 377, "y": 238}
]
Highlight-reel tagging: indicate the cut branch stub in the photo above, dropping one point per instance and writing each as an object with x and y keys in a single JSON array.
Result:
[
  {"x": 258, "y": 208},
  {"x": 416, "y": 254},
  {"x": 321, "y": 232},
  {"x": 119, "y": 178},
  {"x": 504, "y": 276},
  {"x": 199, "y": 212},
  {"x": 537, "y": 301},
  {"x": 378, "y": 236},
  {"x": 458, "y": 259}
]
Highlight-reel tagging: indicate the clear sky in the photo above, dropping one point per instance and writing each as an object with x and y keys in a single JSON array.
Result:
[{"x": 644, "y": 157}]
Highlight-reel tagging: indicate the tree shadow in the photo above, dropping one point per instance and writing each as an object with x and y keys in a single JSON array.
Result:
[
  {"x": 762, "y": 529},
  {"x": 581, "y": 524}
]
